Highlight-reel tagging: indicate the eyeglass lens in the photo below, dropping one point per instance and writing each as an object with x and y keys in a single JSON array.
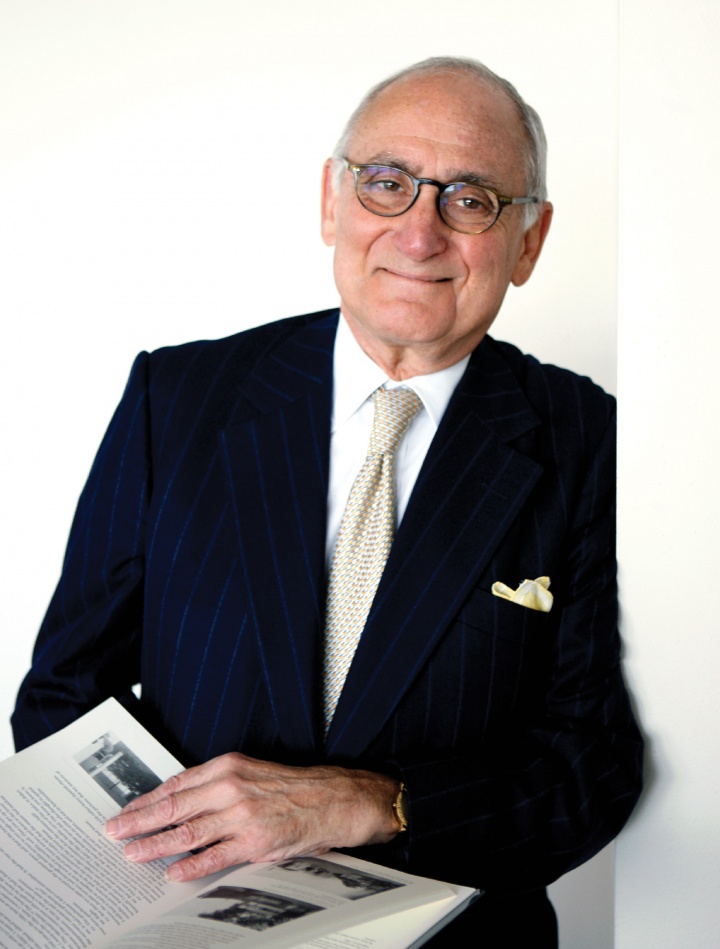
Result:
[{"x": 388, "y": 191}]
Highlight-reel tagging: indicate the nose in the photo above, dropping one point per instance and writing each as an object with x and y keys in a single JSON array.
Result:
[{"x": 420, "y": 232}]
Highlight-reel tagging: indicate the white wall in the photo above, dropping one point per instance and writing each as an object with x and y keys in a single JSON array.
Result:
[
  {"x": 131, "y": 132},
  {"x": 669, "y": 445}
]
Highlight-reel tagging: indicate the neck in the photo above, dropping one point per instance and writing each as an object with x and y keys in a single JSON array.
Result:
[{"x": 407, "y": 360}]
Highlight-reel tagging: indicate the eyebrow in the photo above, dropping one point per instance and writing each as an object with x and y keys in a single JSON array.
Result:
[{"x": 458, "y": 174}]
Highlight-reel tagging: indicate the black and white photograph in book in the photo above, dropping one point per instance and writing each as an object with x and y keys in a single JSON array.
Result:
[
  {"x": 255, "y": 909},
  {"x": 335, "y": 880},
  {"x": 117, "y": 769}
]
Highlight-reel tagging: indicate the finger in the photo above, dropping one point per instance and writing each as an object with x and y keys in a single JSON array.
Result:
[
  {"x": 233, "y": 763},
  {"x": 220, "y": 856},
  {"x": 184, "y": 780},
  {"x": 193, "y": 835},
  {"x": 206, "y": 788},
  {"x": 175, "y": 807},
  {"x": 157, "y": 794},
  {"x": 147, "y": 820}
]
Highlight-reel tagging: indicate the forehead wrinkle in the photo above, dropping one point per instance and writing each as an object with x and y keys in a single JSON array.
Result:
[{"x": 455, "y": 174}]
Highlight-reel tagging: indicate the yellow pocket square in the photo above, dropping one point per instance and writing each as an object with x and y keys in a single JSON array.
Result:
[{"x": 534, "y": 594}]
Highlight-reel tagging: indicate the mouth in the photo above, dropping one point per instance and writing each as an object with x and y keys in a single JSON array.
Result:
[{"x": 418, "y": 278}]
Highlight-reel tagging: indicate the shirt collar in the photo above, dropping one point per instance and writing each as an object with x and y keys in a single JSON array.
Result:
[{"x": 356, "y": 377}]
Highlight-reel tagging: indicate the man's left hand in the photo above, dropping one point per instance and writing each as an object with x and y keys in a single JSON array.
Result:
[{"x": 241, "y": 809}]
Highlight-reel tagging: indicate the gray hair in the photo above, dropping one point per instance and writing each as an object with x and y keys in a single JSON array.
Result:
[{"x": 536, "y": 143}]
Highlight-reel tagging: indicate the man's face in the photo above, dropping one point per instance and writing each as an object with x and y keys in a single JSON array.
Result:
[{"x": 411, "y": 283}]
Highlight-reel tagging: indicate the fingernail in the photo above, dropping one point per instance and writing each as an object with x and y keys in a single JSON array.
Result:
[
  {"x": 174, "y": 873},
  {"x": 132, "y": 851},
  {"x": 112, "y": 828}
]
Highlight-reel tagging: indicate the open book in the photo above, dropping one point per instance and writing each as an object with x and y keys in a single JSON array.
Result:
[{"x": 64, "y": 884}]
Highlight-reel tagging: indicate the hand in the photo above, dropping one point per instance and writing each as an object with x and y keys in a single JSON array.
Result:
[{"x": 242, "y": 809}]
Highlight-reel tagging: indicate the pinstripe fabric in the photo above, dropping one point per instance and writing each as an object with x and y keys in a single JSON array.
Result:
[{"x": 196, "y": 565}]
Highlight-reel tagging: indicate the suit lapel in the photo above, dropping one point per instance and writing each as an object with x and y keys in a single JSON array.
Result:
[
  {"x": 470, "y": 490},
  {"x": 280, "y": 444}
]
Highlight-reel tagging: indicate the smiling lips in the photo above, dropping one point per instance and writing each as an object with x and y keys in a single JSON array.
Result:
[{"x": 422, "y": 278}]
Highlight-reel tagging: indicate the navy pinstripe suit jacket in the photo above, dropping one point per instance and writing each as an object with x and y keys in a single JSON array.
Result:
[{"x": 196, "y": 567}]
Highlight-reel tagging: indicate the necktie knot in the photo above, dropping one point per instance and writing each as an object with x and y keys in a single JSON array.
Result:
[{"x": 394, "y": 410}]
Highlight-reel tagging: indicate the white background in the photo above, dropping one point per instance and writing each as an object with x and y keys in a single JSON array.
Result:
[{"x": 136, "y": 137}]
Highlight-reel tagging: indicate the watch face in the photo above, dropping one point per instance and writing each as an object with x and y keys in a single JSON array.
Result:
[{"x": 401, "y": 808}]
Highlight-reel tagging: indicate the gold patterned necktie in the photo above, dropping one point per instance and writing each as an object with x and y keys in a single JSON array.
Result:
[{"x": 364, "y": 540}]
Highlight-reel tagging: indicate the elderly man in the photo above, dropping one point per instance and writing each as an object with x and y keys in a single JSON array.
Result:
[{"x": 232, "y": 549}]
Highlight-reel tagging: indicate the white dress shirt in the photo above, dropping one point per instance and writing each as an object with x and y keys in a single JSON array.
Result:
[{"x": 355, "y": 378}]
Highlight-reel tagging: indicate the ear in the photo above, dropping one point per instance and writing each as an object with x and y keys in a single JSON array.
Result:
[
  {"x": 533, "y": 240},
  {"x": 328, "y": 203}
]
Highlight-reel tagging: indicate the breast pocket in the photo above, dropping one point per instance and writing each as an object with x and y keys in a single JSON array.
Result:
[
  {"x": 501, "y": 618},
  {"x": 508, "y": 648}
]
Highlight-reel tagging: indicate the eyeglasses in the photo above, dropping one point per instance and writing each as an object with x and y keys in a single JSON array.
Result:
[{"x": 465, "y": 207}]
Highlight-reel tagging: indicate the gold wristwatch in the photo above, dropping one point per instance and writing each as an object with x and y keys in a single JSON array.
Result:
[{"x": 401, "y": 809}]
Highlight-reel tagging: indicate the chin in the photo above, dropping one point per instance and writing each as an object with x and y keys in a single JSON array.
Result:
[
  {"x": 410, "y": 317},
  {"x": 404, "y": 331}
]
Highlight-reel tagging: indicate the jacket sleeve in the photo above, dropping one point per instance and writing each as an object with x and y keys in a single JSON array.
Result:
[
  {"x": 88, "y": 647},
  {"x": 526, "y": 813}
]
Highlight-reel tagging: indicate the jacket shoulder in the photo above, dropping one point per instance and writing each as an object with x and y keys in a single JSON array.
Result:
[
  {"x": 204, "y": 383},
  {"x": 247, "y": 347},
  {"x": 552, "y": 391}
]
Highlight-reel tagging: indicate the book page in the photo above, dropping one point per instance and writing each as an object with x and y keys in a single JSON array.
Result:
[
  {"x": 408, "y": 929},
  {"x": 62, "y": 882},
  {"x": 285, "y": 904}
]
